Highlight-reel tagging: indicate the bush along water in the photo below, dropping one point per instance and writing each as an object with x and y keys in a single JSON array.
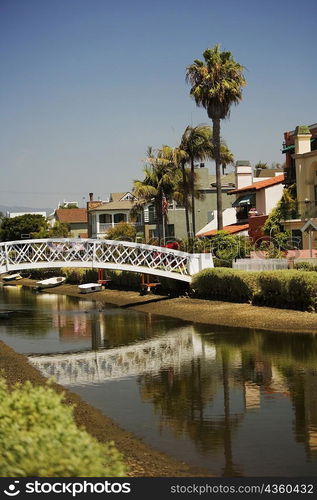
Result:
[
  {"x": 290, "y": 289},
  {"x": 225, "y": 284},
  {"x": 39, "y": 438}
]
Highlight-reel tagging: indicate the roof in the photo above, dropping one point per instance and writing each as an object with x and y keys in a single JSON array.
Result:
[
  {"x": 225, "y": 179},
  {"x": 231, "y": 229},
  {"x": 71, "y": 215},
  {"x": 119, "y": 196},
  {"x": 256, "y": 186},
  {"x": 114, "y": 205}
]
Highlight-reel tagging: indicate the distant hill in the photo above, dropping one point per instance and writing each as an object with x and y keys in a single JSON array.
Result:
[{"x": 4, "y": 209}]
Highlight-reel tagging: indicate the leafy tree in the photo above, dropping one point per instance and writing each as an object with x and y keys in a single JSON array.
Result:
[
  {"x": 59, "y": 230},
  {"x": 216, "y": 85},
  {"x": 123, "y": 231},
  {"x": 285, "y": 209},
  {"x": 17, "y": 228}
]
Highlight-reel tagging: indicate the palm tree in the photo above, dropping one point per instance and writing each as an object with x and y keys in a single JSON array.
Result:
[
  {"x": 158, "y": 183},
  {"x": 197, "y": 144},
  {"x": 226, "y": 156},
  {"x": 216, "y": 85}
]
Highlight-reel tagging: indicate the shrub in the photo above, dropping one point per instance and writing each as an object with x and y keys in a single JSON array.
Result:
[
  {"x": 77, "y": 276},
  {"x": 305, "y": 266},
  {"x": 39, "y": 438},
  {"x": 123, "y": 231},
  {"x": 225, "y": 284},
  {"x": 287, "y": 289},
  {"x": 124, "y": 279}
]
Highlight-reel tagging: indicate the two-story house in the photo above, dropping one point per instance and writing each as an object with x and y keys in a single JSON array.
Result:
[
  {"x": 103, "y": 215},
  {"x": 304, "y": 161},
  {"x": 255, "y": 197}
]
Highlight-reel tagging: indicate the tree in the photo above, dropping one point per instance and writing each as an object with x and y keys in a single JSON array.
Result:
[
  {"x": 226, "y": 157},
  {"x": 22, "y": 226},
  {"x": 216, "y": 85},
  {"x": 197, "y": 144},
  {"x": 59, "y": 230},
  {"x": 157, "y": 185},
  {"x": 123, "y": 231}
]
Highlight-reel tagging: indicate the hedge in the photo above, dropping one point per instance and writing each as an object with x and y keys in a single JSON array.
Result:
[
  {"x": 225, "y": 284},
  {"x": 39, "y": 438},
  {"x": 290, "y": 289}
]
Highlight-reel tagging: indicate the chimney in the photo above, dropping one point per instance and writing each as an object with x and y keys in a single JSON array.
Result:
[
  {"x": 91, "y": 196},
  {"x": 302, "y": 137},
  {"x": 243, "y": 174}
]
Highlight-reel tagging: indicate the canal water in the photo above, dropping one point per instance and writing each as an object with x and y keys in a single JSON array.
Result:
[{"x": 235, "y": 402}]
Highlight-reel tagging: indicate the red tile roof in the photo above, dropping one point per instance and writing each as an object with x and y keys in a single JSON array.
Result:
[
  {"x": 256, "y": 186},
  {"x": 231, "y": 229},
  {"x": 71, "y": 215}
]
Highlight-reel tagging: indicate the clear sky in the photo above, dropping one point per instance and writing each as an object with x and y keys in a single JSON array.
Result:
[{"x": 87, "y": 85}]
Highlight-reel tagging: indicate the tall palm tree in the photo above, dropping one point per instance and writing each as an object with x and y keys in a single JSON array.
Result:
[
  {"x": 197, "y": 144},
  {"x": 216, "y": 84}
]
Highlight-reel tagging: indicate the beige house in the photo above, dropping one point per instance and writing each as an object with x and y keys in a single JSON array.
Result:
[
  {"x": 103, "y": 215},
  {"x": 306, "y": 183}
]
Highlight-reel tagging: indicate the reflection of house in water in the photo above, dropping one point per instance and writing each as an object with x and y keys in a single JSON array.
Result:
[{"x": 252, "y": 395}]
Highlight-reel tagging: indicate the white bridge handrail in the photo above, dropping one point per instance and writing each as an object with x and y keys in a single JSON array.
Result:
[{"x": 103, "y": 254}]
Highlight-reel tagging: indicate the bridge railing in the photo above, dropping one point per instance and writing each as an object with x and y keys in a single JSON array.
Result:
[{"x": 97, "y": 253}]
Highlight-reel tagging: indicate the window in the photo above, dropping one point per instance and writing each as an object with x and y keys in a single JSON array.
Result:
[
  {"x": 119, "y": 218},
  {"x": 170, "y": 230},
  {"x": 105, "y": 218},
  {"x": 297, "y": 239}
]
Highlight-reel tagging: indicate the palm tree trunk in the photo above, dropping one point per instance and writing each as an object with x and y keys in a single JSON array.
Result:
[
  {"x": 193, "y": 195},
  {"x": 216, "y": 141},
  {"x": 185, "y": 187}
]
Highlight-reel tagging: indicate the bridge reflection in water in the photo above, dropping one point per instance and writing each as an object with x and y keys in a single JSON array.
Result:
[{"x": 127, "y": 361}]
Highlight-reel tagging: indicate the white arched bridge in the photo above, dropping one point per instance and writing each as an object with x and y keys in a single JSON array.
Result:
[{"x": 101, "y": 254}]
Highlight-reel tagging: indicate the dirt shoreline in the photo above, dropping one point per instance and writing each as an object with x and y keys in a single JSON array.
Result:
[
  {"x": 210, "y": 312},
  {"x": 142, "y": 460}
]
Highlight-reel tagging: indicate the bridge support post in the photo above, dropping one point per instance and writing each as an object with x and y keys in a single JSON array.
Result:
[
  {"x": 6, "y": 257},
  {"x": 199, "y": 261}
]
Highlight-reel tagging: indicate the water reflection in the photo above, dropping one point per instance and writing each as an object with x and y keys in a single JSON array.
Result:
[{"x": 235, "y": 402}]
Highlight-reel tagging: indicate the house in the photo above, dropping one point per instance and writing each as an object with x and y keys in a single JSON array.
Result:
[
  {"x": 205, "y": 205},
  {"x": 11, "y": 215},
  {"x": 255, "y": 198},
  {"x": 303, "y": 171},
  {"x": 103, "y": 215},
  {"x": 76, "y": 218},
  {"x": 289, "y": 151}
]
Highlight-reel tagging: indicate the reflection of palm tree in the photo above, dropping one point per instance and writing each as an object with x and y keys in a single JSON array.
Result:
[
  {"x": 229, "y": 469},
  {"x": 182, "y": 400}
]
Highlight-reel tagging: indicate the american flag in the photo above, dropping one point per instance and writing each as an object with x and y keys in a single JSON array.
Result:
[{"x": 164, "y": 205}]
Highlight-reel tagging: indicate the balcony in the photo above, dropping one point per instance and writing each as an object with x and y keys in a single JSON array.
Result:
[{"x": 104, "y": 227}]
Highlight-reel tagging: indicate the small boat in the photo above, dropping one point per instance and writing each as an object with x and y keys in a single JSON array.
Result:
[
  {"x": 50, "y": 282},
  {"x": 5, "y": 314},
  {"x": 12, "y": 277},
  {"x": 90, "y": 287}
]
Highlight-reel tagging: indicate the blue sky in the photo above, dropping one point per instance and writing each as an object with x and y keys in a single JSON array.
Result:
[{"x": 87, "y": 85}]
